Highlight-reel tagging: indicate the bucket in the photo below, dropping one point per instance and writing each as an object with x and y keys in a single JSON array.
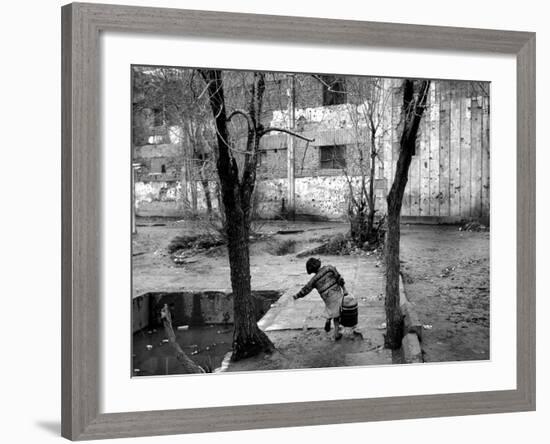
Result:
[{"x": 349, "y": 311}]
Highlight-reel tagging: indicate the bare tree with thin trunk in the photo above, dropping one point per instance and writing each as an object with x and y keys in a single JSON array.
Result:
[
  {"x": 237, "y": 182},
  {"x": 415, "y": 94},
  {"x": 369, "y": 101},
  {"x": 175, "y": 94}
]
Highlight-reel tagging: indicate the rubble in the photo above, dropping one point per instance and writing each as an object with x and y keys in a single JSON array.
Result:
[{"x": 473, "y": 226}]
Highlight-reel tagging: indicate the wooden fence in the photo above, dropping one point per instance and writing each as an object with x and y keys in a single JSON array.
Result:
[{"x": 450, "y": 173}]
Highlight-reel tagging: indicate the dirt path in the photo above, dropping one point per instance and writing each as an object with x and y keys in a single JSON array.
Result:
[
  {"x": 446, "y": 275},
  {"x": 154, "y": 270}
]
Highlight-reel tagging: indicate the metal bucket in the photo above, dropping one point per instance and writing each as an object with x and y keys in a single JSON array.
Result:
[{"x": 349, "y": 311}]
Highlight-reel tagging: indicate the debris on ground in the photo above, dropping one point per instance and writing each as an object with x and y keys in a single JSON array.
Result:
[
  {"x": 473, "y": 226},
  {"x": 450, "y": 288},
  {"x": 446, "y": 272},
  {"x": 289, "y": 231},
  {"x": 281, "y": 248},
  {"x": 182, "y": 258},
  {"x": 181, "y": 248},
  {"x": 197, "y": 242},
  {"x": 338, "y": 245}
]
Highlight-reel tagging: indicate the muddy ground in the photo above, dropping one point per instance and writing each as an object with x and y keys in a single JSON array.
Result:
[
  {"x": 154, "y": 270},
  {"x": 446, "y": 276}
]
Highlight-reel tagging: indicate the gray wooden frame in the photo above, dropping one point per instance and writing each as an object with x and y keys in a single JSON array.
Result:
[{"x": 81, "y": 26}]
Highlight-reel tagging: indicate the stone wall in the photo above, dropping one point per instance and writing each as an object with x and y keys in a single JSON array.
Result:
[{"x": 194, "y": 308}]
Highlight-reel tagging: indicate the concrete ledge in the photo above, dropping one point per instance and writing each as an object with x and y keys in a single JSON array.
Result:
[
  {"x": 412, "y": 328},
  {"x": 412, "y": 353},
  {"x": 411, "y": 322}
]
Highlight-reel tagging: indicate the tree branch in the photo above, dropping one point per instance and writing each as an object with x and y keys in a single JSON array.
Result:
[
  {"x": 283, "y": 130},
  {"x": 189, "y": 366},
  {"x": 244, "y": 114}
]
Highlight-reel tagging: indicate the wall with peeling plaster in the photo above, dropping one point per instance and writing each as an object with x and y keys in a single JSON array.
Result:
[{"x": 448, "y": 177}]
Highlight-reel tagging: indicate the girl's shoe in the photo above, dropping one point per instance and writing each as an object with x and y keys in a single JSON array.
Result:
[
  {"x": 327, "y": 325},
  {"x": 337, "y": 336}
]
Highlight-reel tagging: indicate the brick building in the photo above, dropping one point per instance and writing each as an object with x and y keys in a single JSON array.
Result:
[{"x": 448, "y": 178}]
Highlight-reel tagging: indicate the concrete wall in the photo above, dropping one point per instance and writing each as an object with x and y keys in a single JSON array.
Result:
[
  {"x": 164, "y": 198},
  {"x": 323, "y": 196},
  {"x": 187, "y": 308},
  {"x": 158, "y": 198},
  {"x": 194, "y": 308}
]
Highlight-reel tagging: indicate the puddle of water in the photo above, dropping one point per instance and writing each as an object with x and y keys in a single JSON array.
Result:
[
  {"x": 206, "y": 345},
  {"x": 204, "y": 340}
]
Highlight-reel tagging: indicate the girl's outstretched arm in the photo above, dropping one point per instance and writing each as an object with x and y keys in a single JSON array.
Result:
[{"x": 306, "y": 289}]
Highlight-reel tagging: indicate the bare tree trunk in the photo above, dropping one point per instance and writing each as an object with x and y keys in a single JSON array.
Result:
[
  {"x": 413, "y": 108},
  {"x": 248, "y": 339},
  {"x": 219, "y": 199},
  {"x": 207, "y": 196},
  {"x": 370, "y": 197},
  {"x": 184, "y": 188},
  {"x": 194, "y": 208},
  {"x": 394, "y": 324}
]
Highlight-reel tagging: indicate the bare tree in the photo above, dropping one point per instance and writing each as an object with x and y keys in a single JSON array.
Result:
[
  {"x": 370, "y": 99},
  {"x": 415, "y": 94},
  {"x": 237, "y": 181},
  {"x": 175, "y": 95}
]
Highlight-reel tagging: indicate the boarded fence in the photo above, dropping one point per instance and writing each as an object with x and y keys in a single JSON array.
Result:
[{"x": 449, "y": 174}]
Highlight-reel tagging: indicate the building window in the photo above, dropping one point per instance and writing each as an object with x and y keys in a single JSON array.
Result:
[
  {"x": 333, "y": 157},
  {"x": 157, "y": 166},
  {"x": 334, "y": 90},
  {"x": 158, "y": 117}
]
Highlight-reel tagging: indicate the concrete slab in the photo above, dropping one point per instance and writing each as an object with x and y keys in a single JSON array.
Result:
[{"x": 365, "y": 281}]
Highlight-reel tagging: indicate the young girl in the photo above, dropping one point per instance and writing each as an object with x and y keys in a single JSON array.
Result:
[{"x": 330, "y": 285}]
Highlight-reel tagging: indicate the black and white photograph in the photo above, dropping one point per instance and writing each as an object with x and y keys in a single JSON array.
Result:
[
  {"x": 274, "y": 222},
  {"x": 307, "y": 220}
]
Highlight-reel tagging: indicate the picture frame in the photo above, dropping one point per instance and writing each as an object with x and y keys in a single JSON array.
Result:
[{"x": 81, "y": 177}]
